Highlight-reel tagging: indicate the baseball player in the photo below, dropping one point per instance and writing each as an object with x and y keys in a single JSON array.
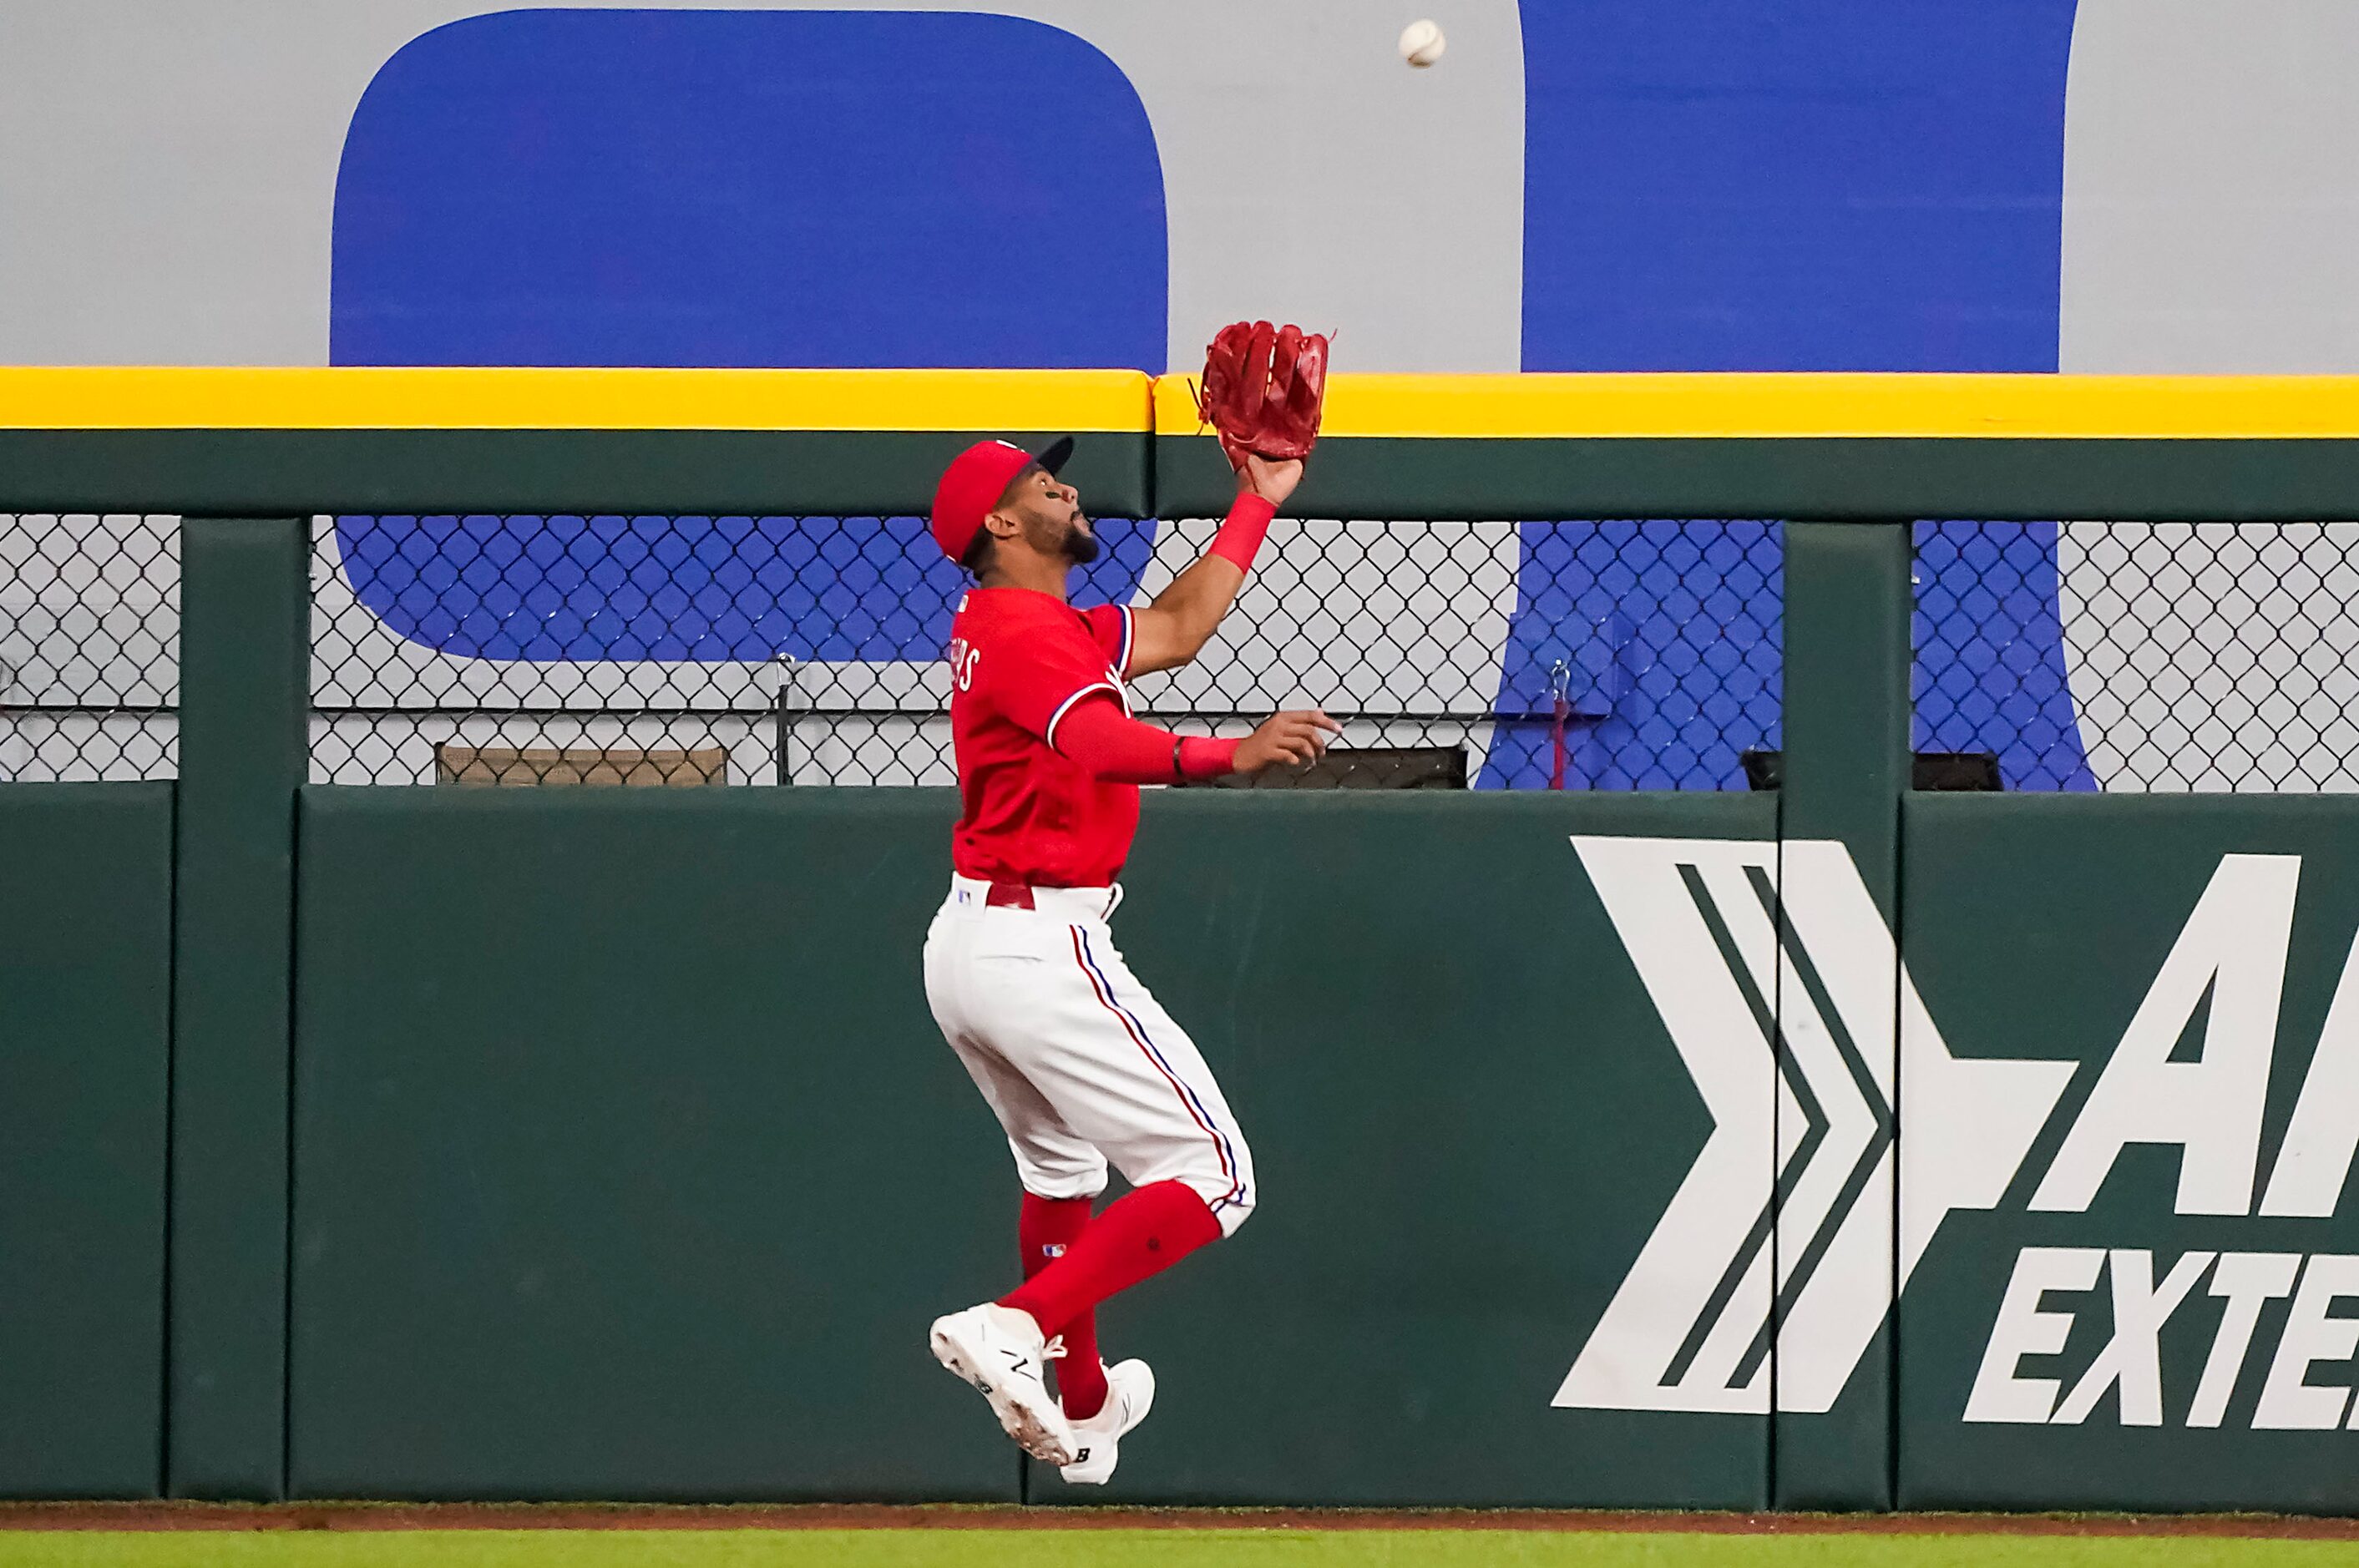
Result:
[{"x": 1081, "y": 1067}]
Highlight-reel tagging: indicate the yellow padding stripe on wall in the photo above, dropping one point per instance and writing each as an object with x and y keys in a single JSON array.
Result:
[
  {"x": 508, "y": 399},
  {"x": 1432, "y": 407},
  {"x": 1536, "y": 405}
]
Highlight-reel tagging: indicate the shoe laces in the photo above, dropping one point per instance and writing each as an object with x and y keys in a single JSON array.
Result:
[{"x": 1055, "y": 1349}]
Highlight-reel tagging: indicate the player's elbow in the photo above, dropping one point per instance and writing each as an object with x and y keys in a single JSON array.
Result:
[
  {"x": 1193, "y": 637},
  {"x": 1176, "y": 650}
]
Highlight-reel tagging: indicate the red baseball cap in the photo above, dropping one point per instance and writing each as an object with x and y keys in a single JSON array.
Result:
[{"x": 976, "y": 479}]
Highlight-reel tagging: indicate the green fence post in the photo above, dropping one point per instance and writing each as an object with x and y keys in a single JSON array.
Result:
[
  {"x": 1847, "y": 759},
  {"x": 244, "y": 699}
]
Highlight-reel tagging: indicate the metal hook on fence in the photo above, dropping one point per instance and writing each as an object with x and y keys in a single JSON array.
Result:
[{"x": 1561, "y": 690}]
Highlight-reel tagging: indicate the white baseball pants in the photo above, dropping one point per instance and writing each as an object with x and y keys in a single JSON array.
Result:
[{"x": 1078, "y": 1062}]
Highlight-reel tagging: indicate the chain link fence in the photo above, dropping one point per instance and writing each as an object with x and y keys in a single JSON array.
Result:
[
  {"x": 807, "y": 650},
  {"x": 89, "y": 629},
  {"x": 2142, "y": 656},
  {"x": 2125, "y": 656}
]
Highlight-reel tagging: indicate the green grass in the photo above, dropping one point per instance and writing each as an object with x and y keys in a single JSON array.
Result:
[{"x": 1123, "y": 1548}]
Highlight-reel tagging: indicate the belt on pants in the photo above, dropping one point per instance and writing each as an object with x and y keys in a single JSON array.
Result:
[{"x": 1094, "y": 903}]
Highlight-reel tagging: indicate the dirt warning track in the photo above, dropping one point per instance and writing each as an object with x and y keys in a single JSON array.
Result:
[{"x": 182, "y": 1515}]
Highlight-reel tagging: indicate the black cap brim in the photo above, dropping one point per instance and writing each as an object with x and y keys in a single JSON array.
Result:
[{"x": 1056, "y": 454}]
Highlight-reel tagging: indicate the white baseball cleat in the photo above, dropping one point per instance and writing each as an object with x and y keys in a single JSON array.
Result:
[
  {"x": 1130, "y": 1394},
  {"x": 1000, "y": 1351}
]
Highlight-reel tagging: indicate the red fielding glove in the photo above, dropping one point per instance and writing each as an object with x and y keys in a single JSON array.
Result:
[
  {"x": 1118, "y": 749},
  {"x": 1264, "y": 390},
  {"x": 1229, "y": 398},
  {"x": 1252, "y": 390},
  {"x": 1298, "y": 378}
]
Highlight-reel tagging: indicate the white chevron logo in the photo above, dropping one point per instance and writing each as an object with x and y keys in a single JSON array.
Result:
[{"x": 1812, "y": 1253}]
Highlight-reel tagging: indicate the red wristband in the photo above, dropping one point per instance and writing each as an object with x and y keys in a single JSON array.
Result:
[
  {"x": 1242, "y": 530},
  {"x": 1197, "y": 758}
]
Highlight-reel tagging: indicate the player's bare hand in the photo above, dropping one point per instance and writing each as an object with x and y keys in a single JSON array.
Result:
[
  {"x": 1270, "y": 478},
  {"x": 1292, "y": 738}
]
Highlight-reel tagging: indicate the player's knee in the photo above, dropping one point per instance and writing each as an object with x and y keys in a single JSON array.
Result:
[
  {"x": 1230, "y": 1201},
  {"x": 1055, "y": 1173},
  {"x": 1232, "y": 1192},
  {"x": 1218, "y": 1171},
  {"x": 1233, "y": 1210}
]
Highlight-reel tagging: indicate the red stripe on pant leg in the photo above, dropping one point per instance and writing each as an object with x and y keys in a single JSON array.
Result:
[{"x": 1220, "y": 1149}]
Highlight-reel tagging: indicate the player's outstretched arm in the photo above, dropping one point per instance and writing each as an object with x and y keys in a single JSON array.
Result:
[
  {"x": 1119, "y": 749},
  {"x": 1176, "y": 626}
]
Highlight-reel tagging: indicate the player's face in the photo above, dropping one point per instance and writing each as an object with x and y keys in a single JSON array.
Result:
[{"x": 1051, "y": 514}]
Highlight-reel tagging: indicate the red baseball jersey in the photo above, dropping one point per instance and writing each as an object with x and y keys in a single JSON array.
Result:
[{"x": 1020, "y": 660}]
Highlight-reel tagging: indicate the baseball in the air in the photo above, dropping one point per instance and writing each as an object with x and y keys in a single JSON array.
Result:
[{"x": 1421, "y": 43}]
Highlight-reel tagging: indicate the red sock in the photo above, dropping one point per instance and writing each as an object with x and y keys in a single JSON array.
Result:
[
  {"x": 1140, "y": 1234},
  {"x": 1047, "y": 1227}
]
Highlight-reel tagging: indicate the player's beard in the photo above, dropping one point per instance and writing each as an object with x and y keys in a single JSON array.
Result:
[{"x": 1082, "y": 545}]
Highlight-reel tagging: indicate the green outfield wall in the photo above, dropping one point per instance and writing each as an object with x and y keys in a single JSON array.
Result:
[
  {"x": 2180, "y": 1223},
  {"x": 1837, "y": 1147},
  {"x": 85, "y": 1021},
  {"x": 629, "y": 1162}
]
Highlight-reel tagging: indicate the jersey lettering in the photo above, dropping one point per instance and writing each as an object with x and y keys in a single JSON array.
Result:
[{"x": 963, "y": 656}]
